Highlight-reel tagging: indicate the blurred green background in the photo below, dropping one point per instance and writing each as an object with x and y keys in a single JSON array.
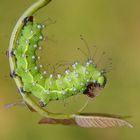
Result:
[{"x": 111, "y": 25}]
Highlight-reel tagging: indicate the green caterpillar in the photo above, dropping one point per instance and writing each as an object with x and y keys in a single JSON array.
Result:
[{"x": 79, "y": 79}]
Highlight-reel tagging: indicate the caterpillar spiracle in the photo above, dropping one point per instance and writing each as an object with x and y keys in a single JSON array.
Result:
[
  {"x": 82, "y": 78},
  {"x": 31, "y": 82}
]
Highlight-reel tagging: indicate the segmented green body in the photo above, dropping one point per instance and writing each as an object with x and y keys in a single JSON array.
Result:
[{"x": 74, "y": 81}]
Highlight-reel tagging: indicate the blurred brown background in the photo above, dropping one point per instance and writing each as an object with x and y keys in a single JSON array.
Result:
[{"x": 111, "y": 25}]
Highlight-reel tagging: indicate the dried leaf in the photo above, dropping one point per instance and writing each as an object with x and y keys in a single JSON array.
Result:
[
  {"x": 57, "y": 121},
  {"x": 19, "y": 103},
  {"x": 100, "y": 121}
]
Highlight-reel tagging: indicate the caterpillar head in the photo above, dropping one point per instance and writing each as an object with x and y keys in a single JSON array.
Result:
[{"x": 93, "y": 88}]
